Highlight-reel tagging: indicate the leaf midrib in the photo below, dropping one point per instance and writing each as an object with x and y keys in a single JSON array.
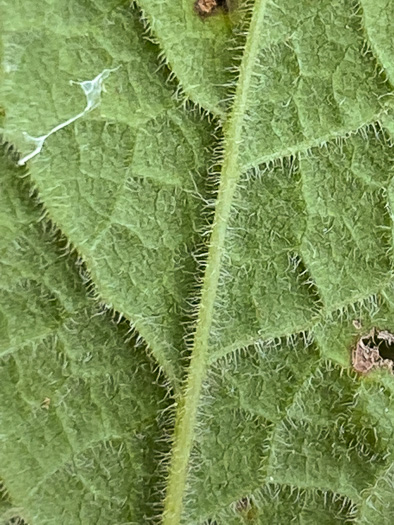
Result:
[{"x": 187, "y": 404}]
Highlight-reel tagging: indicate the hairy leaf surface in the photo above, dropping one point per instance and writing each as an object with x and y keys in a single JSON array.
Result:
[
  {"x": 79, "y": 404},
  {"x": 248, "y": 228},
  {"x": 132, "y": 213}
]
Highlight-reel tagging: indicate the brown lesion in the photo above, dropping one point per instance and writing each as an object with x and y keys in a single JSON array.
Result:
[
  {"x": 206, "y": 8},
  {"x": 373, "y": 351}
]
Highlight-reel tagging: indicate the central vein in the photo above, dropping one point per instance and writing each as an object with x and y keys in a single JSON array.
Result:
[{"x": 230, "y": 174}]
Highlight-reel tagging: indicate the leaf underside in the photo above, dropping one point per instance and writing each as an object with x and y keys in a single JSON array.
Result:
[{"x": 228, "y": 196}]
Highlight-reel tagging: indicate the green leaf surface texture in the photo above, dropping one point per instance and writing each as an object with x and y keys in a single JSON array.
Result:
[{"x": 196, "y": 229}]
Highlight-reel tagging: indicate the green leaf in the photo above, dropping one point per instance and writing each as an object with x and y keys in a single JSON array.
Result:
[
  {"x": 109, "y": 217},
  {"x": 79, "y": 404},
  {"x": 248, "y": 229},
  {"x": 195, "y": 48},
  {"x": 378, "y": 17}
]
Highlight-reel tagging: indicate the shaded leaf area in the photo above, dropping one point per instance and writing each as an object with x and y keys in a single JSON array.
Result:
[
  {"x": 127, "y": 183},
  {"x": 314, "y": 443},
  {"x": 79, "y": 405}
]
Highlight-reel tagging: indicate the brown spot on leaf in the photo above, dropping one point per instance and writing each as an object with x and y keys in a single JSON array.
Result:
[
  {"x": 209, "y": 7},
  {"x": 373, "y": 351}
]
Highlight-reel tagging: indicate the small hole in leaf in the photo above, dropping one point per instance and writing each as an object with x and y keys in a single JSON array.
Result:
[
  {"x": 374, "y": 350},
  {"x": 386, "y": 345}
]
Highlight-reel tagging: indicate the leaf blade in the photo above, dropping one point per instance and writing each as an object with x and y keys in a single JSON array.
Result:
[{"x": 75, "y": 407}]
